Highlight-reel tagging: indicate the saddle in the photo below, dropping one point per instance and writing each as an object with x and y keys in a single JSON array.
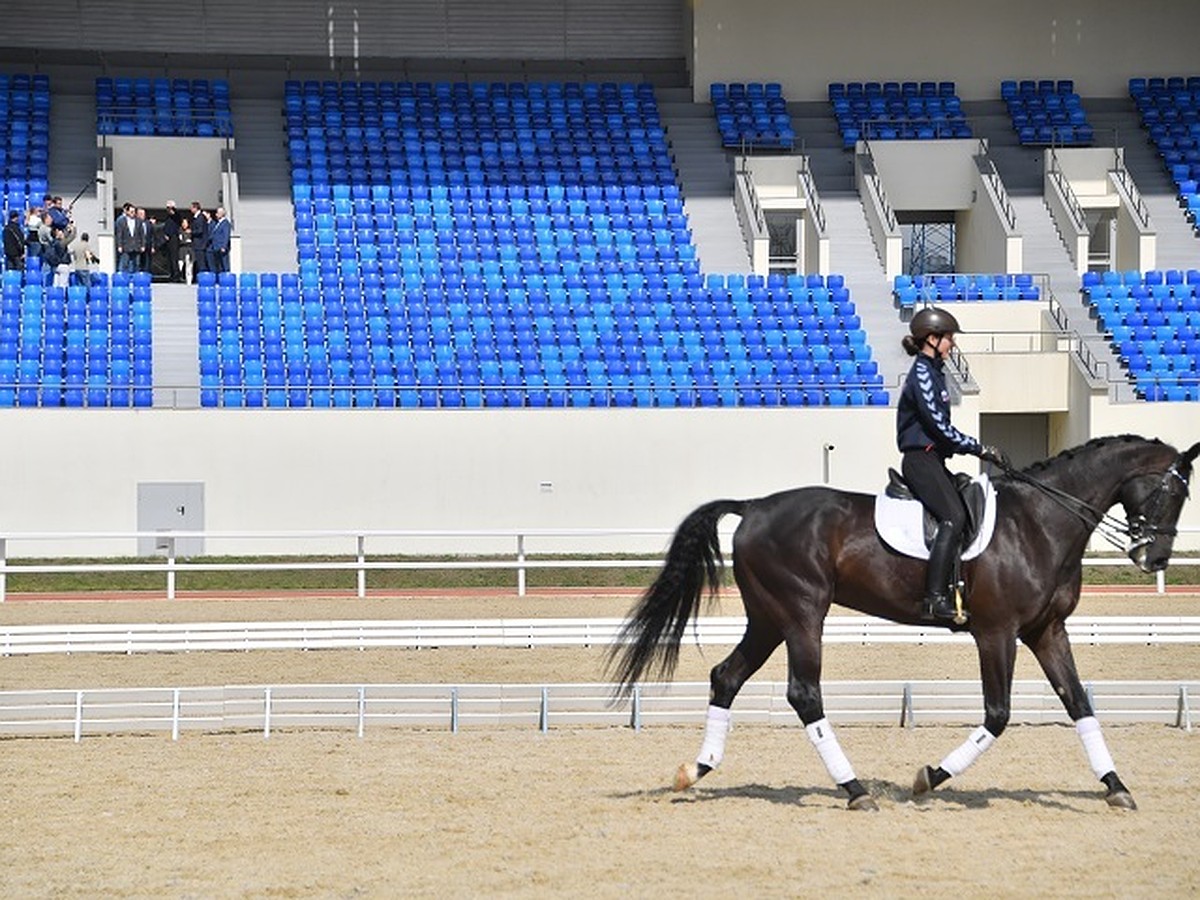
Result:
[{"x": 906, "y": 526}]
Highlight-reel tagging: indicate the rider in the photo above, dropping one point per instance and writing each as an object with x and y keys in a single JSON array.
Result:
[{"x": 926, "y": 437}]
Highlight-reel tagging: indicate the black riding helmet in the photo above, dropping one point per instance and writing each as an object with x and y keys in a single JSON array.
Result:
[{"x": 932, "y": 320}]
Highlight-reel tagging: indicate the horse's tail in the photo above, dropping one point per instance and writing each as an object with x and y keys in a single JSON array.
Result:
[{"x": 655, "y": 627}]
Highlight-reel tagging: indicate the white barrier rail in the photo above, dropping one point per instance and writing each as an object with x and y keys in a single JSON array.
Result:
[
  {"x": 444, "y": 706},
  {"x": 359, "y": 560},
  {"x": 177, "y": 637}
]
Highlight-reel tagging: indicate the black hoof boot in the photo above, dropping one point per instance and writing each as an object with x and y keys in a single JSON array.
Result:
[
  {"x": 1118, "y": 795},
  {"x": 858, "y": 798}
]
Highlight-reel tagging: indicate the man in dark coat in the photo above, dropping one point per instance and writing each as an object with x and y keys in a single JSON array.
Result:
[
  {"x": 199, "y": 228},
  {"x": 14, "y": 242}
]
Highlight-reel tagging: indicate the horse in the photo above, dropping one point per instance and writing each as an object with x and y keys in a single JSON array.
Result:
[{"x": 798, "y": 551}]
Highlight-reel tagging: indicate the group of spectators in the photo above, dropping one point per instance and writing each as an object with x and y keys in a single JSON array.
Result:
[
  {"x": 48, "y": 233},
  {"x": 187, "y": 242},
  {"x": 190, "y": 242}
]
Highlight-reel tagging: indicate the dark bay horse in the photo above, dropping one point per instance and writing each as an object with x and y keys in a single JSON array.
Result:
[{"x": 796, "y": 552}]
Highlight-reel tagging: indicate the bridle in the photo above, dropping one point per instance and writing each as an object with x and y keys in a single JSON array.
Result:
[{"x": 1141, "y": 526}]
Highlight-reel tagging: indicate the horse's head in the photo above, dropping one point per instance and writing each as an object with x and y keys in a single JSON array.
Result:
[{"x": 1152, "y": 506}]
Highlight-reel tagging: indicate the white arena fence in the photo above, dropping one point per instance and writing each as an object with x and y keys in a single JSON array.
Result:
[
  {"x": 186, "y": 637},
  {"x": 366, "y": 707},
  {"x": 360, "y": 550}
]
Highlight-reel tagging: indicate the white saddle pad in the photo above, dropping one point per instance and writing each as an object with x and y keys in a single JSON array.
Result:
[{"x": 900, "y": 523}]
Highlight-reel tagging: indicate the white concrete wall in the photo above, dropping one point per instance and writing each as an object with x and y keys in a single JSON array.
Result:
[
  {"x": 71, "y": 471},
  {"x": 927, "y": 175},
  {"x": 804, "y": 46},
  {"x": 182, "y": 169}
]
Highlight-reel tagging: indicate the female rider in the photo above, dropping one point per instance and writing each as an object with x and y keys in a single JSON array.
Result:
[{"x": 926, "y": 437}]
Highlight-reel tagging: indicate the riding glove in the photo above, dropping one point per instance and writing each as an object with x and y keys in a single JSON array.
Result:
[{"x": 995, "y": 456}]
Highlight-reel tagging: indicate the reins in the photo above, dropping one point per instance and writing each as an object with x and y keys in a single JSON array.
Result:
[{"x": 1107, "y": 526}]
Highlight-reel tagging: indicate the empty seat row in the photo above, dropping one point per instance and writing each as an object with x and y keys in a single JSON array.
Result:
[
  {"x": 1047, "y": 112},
  {"x": 1152, "y": 320},
  {"x": 24, "y": 140},
  {"x": 161, "y": 106},
  {"x": 1169, "y": 108},
  {"x": 752, "y": 115},
  {"x": 889, "y": 111},
  {"x": 910, "y": 290},
  {"x": 87, "y": 345}
]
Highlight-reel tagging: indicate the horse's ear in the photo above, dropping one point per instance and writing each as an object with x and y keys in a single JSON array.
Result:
[{"x": 1191, "y": 453}]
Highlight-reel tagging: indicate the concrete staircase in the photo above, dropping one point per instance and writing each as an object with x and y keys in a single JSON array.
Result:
[
  {"x": 817, "y": 136},
  {"x": 73, "y": 157},
  {"x": 176, "y": 371},
  {"x": 852, "y": 254},
  {"x": 706, "y": 180},
  {"x": 1116, "y": 120},
  {"x": 264, "y": 216}
]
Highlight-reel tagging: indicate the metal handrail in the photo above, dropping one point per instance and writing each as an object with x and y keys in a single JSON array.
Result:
[
  {"x": 871, "y": 173},
  {"x": 760, "y": 218},
  {"x": 987, "y": 169},
  {"x": 1121, "y": 174},
  {"x": 1060, "y": 179},
  {"x": 813, "y": 198}
]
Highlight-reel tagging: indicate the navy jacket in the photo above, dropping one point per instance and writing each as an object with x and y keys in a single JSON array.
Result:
[{"x": 923, "y": 413}]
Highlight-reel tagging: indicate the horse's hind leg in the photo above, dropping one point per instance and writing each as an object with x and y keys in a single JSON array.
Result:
[
  {"x": 726, "y": 679},
  {"x": 804, "y": 695},
  {"x": 1053, "y": 651}
]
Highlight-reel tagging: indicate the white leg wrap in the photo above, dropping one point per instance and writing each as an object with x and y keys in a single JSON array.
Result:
[
  {"x": 716, "y": 727},
  {"x": 821, "y": 734},
  {"x": 971, "y": 749},
  {"x": 1088, "y": 729}
]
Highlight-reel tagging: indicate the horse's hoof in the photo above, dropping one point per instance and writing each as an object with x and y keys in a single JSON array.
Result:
[
  {"x": 863, "y": 803},
  {"x": 1121, "y": 800},
  {"x": 923, "y": 783},
  {"x": 685, "y": 776}
]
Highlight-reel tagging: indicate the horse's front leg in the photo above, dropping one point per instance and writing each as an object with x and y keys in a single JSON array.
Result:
[
  {"x": 997, "y": 657},
  {"x": 1053, "y": 651},
  {"x": 804, "y": 695}
]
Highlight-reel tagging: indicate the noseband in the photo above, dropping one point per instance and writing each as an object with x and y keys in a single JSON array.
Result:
[{"x": 1141, "y": 527}]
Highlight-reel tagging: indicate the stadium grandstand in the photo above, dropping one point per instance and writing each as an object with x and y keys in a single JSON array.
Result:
[{"x": 562, "y": 265}]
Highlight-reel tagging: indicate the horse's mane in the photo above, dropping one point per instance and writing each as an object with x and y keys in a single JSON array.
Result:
[{"x": 1094, "y": 444}]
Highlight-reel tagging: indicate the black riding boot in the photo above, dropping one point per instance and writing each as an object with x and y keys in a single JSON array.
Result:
[{"x": 939, "y": 601}]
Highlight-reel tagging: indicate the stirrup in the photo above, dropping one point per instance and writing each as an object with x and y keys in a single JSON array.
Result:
[{"x": 941, "y": 608}]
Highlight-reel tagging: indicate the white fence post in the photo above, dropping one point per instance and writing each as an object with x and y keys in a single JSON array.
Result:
[
  {"x": 544, "y": 711},
  {"x": 635, "y": 712},
  {"x": 170, "y": 567},
  {"x": 454, "y": 710},
  {"x": 362, "y": 572},
  {"x": 520, "y": 565},
  {"x": 78, "y": 716},
  {"x": 1184, "y": 719},
  {"x": 175, "y": 714},
  {"x": 362, "y": 709},
  {"x": 266, "y": 714}
]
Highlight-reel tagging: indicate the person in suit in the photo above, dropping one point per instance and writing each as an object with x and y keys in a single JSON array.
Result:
[
  {"x": 219, "y": 238},
  {"x": 148, "y": 247},
  {"x": 170, "y": 247},
  {"x": 198, "y": 225},
  {"x": 129, "y": 237}
]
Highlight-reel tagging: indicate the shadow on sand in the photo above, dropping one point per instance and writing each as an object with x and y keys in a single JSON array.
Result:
[{"x": 886, "y": 793}]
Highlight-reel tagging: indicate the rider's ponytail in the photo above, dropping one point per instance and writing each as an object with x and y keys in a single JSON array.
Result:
[{"x": 910, "y": 345}]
